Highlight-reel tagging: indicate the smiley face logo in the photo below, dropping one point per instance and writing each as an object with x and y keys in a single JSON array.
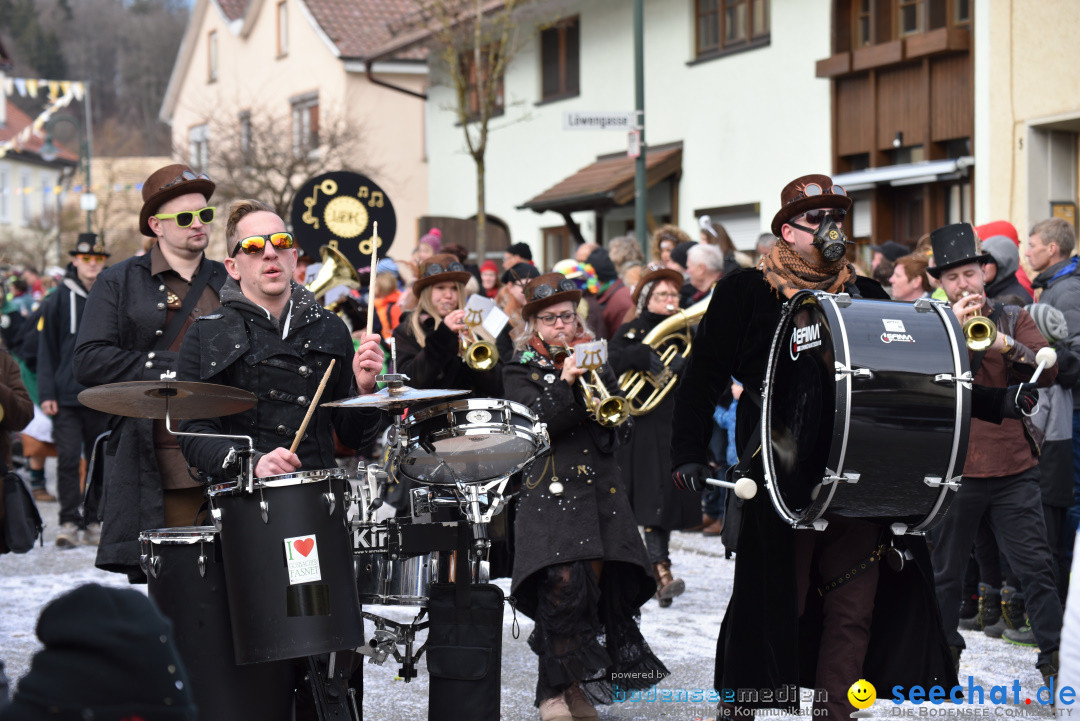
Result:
[{"x": 862, "y": 694}]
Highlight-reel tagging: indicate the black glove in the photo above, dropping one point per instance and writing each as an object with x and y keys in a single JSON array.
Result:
[
  {"x": 656, "y": 366},
  {"x": 677, "y": 364},
  {"x": 1020, "y": 400},
  {"x": 690, "y": 476}
]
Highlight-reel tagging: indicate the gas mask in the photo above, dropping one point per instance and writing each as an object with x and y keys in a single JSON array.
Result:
[{"x": 829, "y": 238}]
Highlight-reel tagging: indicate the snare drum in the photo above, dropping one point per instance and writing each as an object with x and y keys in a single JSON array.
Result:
[
  {"x": 186, "y": 580},
  {"x": 407, "y": 581},
  {"x": 473, "y": 441},
  {"x": 866, "y": 411},
  {"x": 288, "y": 562}
]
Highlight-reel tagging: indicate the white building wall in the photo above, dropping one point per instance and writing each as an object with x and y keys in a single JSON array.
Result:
[{"x": 749, "y": 122}]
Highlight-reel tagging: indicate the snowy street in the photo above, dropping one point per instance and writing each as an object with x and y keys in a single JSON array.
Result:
[{"x": 683, "y": 636}]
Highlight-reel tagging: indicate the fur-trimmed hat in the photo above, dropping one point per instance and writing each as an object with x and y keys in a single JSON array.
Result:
[
  {"x": 443, "y": 268},
  {"x": 167, "y": 183},
  {"x": 546, "y": 290},
  {"x": 955, "y": 245},
  {"x": 88, "y": 244},
  {"x": 654, "y": 273},
  {"x": 807, "y": 193}
]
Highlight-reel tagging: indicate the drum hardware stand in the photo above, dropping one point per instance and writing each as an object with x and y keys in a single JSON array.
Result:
[
  {"x": 846, "y": 477},
  {"x": 937, "y": 482},
  {"x": 945, "y": 379},
  {"x": 334, "y": 699},
  {"x": 842, "y": 300},
  {"x": 842, "y": 370},
  {"x": 391, "y": 634},
  {"x": 924, "y": 305}
]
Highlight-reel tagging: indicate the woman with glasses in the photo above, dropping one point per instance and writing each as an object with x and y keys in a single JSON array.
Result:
[
  {"x": 431, "y": 338},
  {"x": 646, "y": 462},
  {"x": 583, "y": 573}
]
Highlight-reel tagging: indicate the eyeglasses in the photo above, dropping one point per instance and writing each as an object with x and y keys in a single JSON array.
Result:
[
  {"x": 817, "y": 217},
  {"x": 813, "y": 189},
  {"x": 185, "y": 176},
  {"x": 85, "y": 258},
  {"x": 185, "y": 218},
  {"x": 256, "y": 243},
  {"x": 549, "y": 318},
  {"x": 665, "y": 295}
]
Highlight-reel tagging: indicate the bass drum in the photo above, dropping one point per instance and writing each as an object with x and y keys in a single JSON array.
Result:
[{"x": 866, "y": 408}]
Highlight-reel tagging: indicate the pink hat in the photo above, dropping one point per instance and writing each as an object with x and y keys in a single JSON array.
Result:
[{"x": 433, "y": 238}]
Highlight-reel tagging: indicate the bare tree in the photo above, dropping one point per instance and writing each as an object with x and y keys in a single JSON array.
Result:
[
  {"x": 261, "y": 154},
  {"x": 473, "y": 42}
]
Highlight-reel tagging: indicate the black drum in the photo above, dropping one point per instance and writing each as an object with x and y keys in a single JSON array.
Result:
[
  {"x": 866, "y": 411},
  {"x": 186, "y": 580},
  {"x": 289, "y": 566}
]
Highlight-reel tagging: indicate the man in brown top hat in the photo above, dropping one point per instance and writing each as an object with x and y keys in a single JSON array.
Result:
[{"x": 136, "y": 317}]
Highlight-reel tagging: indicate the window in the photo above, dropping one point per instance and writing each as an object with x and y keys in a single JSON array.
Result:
[
  {"x": 723, "y": 25},
  {"x": 211, "y": 57},
  {"x": 305, "y": 123},
  {"x": 911, "y": 17},
  {"x": 560, "y": 60},
  {"x": 26, "y": 190},
  {"x": 473, "y": 85},
  {"x": 282, "y": 29},
  {"x": 961, "y": 12},
  {"x": 245, "y": 136},
  {"x": 5, "y": 190},
  {"x": 864, "y": 23},
  {"x": 199, "y": 147}
]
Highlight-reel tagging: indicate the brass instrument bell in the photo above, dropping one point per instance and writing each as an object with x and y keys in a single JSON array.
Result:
[{"x": 979, "y": 332}]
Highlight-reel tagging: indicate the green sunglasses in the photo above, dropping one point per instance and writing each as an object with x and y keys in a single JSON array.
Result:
[{"x": 185, "y": 218}]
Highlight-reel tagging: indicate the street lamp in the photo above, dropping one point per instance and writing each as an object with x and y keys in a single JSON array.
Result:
[{"x": 49, "y": 152}]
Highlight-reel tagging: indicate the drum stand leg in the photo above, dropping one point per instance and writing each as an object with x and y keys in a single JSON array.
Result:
[
  {"x": 333, "y": 698},
  {"x": 391, "y": 634}
]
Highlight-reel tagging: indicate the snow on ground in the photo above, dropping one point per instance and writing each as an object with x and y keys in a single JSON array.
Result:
[{"x": 683, "y": 636}]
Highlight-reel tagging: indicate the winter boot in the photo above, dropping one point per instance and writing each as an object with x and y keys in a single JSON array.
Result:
[
  {"x": 955, "y": 652},
  {"x": 969, "y": 612},
  {"x": 1022, "y": 636},
  {"x": 667, "y": 586},
  {"x": 989, "y": 608},
  {"x": 1049, "y": 670},
  {"x": 1012, "y": 607}
]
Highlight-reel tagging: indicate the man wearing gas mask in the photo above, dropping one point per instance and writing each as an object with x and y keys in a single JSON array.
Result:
[{"x": 788, "y": 622}]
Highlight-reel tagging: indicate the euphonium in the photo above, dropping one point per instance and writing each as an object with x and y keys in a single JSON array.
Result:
[
  {"x": 478, "y": 354},
  {"x": 670, "y": 338},
  {"x": 979, "y": 331},
  {"x": 608, "y": 410},
  {"x": 336, "y": 270}
]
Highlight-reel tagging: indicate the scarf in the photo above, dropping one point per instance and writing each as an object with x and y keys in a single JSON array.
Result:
[{"x": 787, "y": 272}]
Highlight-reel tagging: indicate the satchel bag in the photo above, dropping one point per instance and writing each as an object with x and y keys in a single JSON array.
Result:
[{"x": 22, "y": 525}]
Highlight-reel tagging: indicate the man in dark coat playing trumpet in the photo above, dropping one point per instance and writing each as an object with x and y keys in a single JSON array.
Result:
[{"x": 782, "y": 629}]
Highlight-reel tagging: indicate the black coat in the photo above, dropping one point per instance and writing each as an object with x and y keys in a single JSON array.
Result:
[
  {"x": 240, "y": 346},
  {"x": 592, "y": 519},
  {"x": 62, "y": 312},
  {"x": 762, "y": 643},
  {"x": 124, "y": 320},
  {"x": 438, "y": 364},
  {"x": 646, "y": 461}
]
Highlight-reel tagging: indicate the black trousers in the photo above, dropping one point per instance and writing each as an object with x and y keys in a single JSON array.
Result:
[
  {"x": 1013, "y": 507},
  {"x": 74, "y": 430}
]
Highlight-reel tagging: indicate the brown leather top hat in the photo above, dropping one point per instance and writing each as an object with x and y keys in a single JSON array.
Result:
[
  {"x": 168, "y": 183},
  {"x": 654, "y": 273},
  {"x": 549, "y": 289},
  {"x": 441, "y": 268},
  {"x": 807, "y": 193},
  {"x": 954, "y": 245},
  {"x": 88, "y": 244}
]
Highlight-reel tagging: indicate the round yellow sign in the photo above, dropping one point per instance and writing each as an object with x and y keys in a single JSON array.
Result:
[{"x": 345, "y": 216}]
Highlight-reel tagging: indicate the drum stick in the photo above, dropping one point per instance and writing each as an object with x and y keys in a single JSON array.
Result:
[
  {"x": 744, "y": 488},
  {"x": 313, "y": 406},
  {"x": 371, "y": 280}
]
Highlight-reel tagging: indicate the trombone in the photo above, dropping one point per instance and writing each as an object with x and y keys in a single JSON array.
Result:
[{"x": 979, "y": 331}]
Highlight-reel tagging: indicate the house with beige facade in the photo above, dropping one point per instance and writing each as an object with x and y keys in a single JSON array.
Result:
[{"x": 298, "y": 67}]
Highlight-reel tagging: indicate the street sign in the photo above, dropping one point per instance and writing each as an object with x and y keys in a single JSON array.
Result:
[{"x": 599, "y": 120}]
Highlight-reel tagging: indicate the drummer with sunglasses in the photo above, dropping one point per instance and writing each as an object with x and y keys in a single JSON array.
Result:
[
  {"x": 787, "y": 624},
  {"x": 135, "y": 319}
]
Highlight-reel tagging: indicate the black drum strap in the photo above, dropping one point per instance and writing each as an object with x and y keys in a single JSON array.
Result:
[
  {"x": 855, "y": 571},
  {"x": 977, "y": 358}
]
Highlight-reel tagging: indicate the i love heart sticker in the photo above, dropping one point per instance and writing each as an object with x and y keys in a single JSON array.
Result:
[{"x": 302, "y": 559}]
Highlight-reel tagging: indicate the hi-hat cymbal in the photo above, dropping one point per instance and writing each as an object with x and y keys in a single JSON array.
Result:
[
  {"x": 399, "y": 398},
  {"x": 182, "y": 399}
]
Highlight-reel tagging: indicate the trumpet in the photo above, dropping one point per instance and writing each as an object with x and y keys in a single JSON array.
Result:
[
  {"x": 979, "y": 332},
  {"x": 608, "y": 410},
  {"x": 478, "y": 354}
]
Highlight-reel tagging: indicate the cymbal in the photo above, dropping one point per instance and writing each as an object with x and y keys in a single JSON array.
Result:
[
  {"x": 183, "y": 399},
  {"x": 400, "y": 398}
]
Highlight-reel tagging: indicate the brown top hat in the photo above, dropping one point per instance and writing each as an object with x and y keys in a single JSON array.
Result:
[
  {"x": 88, "y": 244},
  {"x": 807, "y": 193},
  {"x": 441, "y": 268},
  {"x": 168, "y": 183},
  {"x": 655, "y": 272},
  {"x": 546, "y": 290}
]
